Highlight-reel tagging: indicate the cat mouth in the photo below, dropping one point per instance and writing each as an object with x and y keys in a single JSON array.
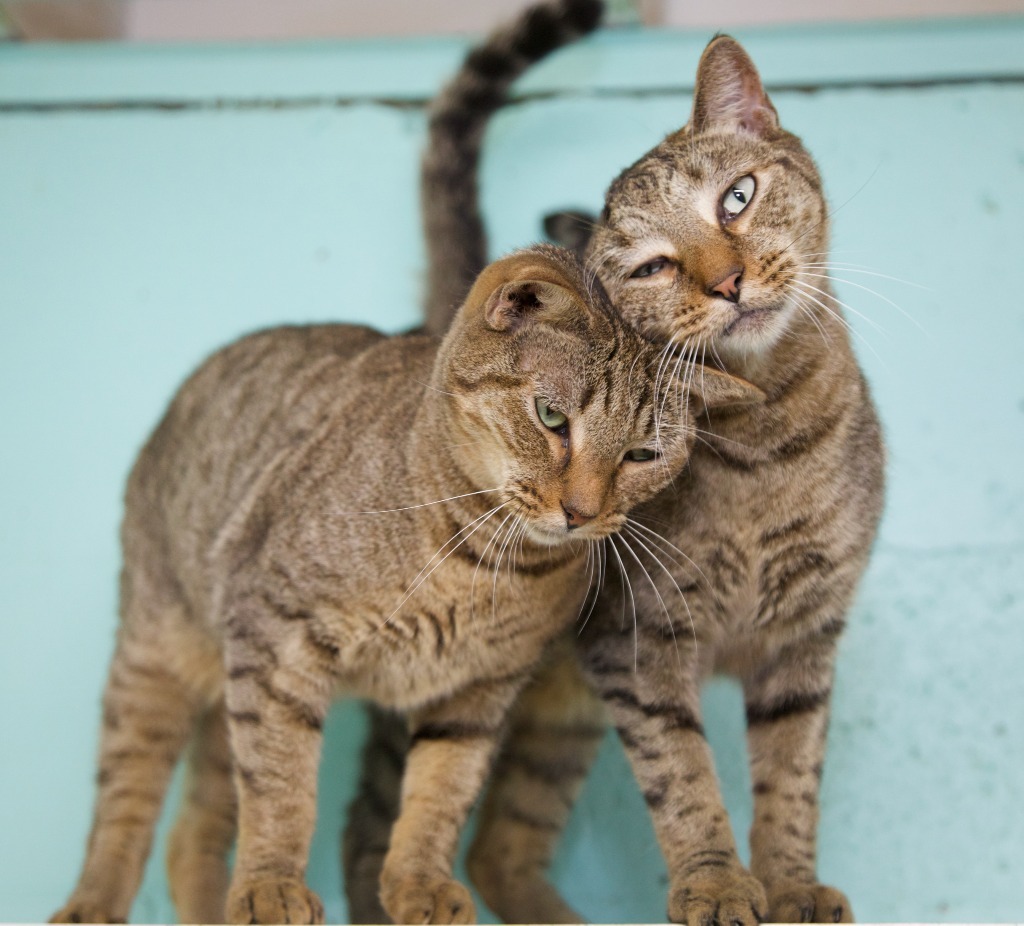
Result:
[
  {"x": 554, "y": 537},
  {"x": 750, "y": 319}
]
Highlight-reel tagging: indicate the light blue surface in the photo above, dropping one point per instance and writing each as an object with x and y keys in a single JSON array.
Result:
[{"x": 134, "y": 241}]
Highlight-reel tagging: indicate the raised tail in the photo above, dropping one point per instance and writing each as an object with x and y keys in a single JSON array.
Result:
[{"x": 455, "y": 237}]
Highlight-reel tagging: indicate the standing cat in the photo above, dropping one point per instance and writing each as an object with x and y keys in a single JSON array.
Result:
[
  {"x": 326, "y": 509},
  {"x": 714, "y": 245}
]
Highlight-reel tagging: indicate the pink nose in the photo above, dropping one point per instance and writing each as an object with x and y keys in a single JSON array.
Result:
[
  {"x": 575, "y": 518},
  {"x": 729, "y": 288}
]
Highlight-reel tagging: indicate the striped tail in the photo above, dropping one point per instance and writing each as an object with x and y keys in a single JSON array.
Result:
[{"x": 455, "y": 237}]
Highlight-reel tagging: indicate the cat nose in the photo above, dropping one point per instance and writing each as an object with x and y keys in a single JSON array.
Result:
[
  {"x": 575, "y": 518},
  {"x": 728, "y": 287}
]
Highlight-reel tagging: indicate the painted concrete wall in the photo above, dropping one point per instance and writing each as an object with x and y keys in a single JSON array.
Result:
[{"x": 155, "y": 203}]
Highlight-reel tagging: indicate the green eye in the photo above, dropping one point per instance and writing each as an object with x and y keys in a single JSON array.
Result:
[
  {"x": 550, "y": 417},
  {"x": 650, "y": 268},
  {"x": 640, "y": 455}
]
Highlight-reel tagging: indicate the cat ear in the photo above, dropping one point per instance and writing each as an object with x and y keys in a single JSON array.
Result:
[
  {"x": 520, "y": 302},
  {"x": 570, "y": 228},
  {"x": 716, "y": 389},
  {"x": 729, "y": 94}
]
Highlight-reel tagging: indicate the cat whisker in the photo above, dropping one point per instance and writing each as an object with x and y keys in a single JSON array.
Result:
[
  {"x": 599, "y": 555},
  {"x": 799, "y": 300},
  {"x": 874, "y": 293},
  {"x": 420, "y": 578},
  {"x": 663, "y": 360},
  {"x": 657, "y": 559},
  {"x": 628, "y": 585},
  {"x": 592, "y": 269},
  {"x": 435, "y": 389},
  {"x": 497, "y": 565},
  {"x": 664, "y": 542},
  {"x": 668, "y": 354},
  {"x": 593, "y": 553},
  {"x": 801, "y": 292},
  {"x": 724, "y": 440},
  {"x": 515, "y": 548},
  {"x": 480, "y": 561},
  {"x": 439, "y": 501},
  {"x": 804, "y": 295},
  {"x": 858, "y": 268},
  {"x": 829, "y": 295},
  {"x": 661, "y": 600}
]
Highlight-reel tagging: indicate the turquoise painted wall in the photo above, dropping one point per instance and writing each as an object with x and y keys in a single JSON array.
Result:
[{"x": 156, "y": 202}]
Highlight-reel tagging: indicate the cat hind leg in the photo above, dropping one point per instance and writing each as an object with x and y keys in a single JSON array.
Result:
[
  {"x": 197, "y": 863},
  {"x": 553, "y": 738},
  {"x": 148, "y": 712},
  {"x": 372, "y": 814}
]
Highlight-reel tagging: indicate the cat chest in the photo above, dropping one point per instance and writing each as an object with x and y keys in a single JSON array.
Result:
[
  {"x": 764, "y": 552},
  {"x": 426, "y": 652}
]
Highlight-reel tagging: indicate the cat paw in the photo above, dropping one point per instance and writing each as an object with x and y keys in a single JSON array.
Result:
[
  {"x": 808, "y": 903},
  {"x": 718, "y": 897},
  {"x": 274, "y": 900},
  {"x": 428, "y": 900},
  {"x": 84, "y": 912}
]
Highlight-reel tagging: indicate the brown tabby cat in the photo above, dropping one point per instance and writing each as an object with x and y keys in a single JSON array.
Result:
[
  {"x": 282, "y": 543},
  {"x": 714, "y": 242}
]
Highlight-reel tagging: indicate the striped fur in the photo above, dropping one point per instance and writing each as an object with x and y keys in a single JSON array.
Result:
[
  {"x": 454, "y": 232},
  {"x": 290, "y": 534},
  {"x": 765, "y": 538}
]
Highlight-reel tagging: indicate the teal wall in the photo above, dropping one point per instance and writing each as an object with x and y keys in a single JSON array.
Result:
[{"x": 156, "y": 202}]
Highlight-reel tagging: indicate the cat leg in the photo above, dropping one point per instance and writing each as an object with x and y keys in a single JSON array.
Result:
[
  {"x": 787, "y": 704},
  {"x": 650, "y": 680},
  {"x": 278, "y": 691},
  {"x": 372, "y": 813},
  {"x": 147, "y": 715},
  {"x": 197, "y": 864},
  {"x": 555, "y": 730},
  {"x": 453, "y": 744}
]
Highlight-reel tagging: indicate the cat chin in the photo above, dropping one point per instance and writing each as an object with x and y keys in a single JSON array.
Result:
[
  {"x": 754, "y": 330},
  {"x": 546, "y": 537}
]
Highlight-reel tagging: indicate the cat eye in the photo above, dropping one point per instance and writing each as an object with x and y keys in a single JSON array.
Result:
[
  {"x": 549, "y": 417},
  {"x": 738, "y": 196},
  {"x": 640, "y": 455},
  {"x": 650, "y": 268}
]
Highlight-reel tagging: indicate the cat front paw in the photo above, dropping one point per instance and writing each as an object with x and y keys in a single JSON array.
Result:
[
  {"x": 723, "y": 896},
  {"x": 274, "y": 900},
  {"x": 77, "y": 911},
  {"x": 808, "y": 903},
  {"x": 427, "y": 900}
]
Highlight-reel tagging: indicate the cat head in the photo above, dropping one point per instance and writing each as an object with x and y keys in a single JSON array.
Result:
[
  {"x": 713, "y": 238},
  {"x": 570, "y": 415}
]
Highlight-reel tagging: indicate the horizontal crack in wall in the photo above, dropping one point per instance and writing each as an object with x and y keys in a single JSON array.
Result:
[{"x": 418, "y": 103}]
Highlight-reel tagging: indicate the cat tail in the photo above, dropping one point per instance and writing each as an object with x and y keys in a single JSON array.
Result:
[{"x": 455, "y": 237}]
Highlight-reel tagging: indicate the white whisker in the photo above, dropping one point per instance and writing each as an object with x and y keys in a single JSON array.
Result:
[
  {"x": 421, "y": 578},
  {"x": 628, "y": 585},
  {"x": 693, "y": 628},
  {"x": 661, "y": 539},
  {"x": 440, "y": 501}
]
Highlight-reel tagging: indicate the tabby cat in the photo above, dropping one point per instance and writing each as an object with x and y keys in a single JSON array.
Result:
[
  {"x": 325, "y": 509},
  {"x": 713, "y": 245}
]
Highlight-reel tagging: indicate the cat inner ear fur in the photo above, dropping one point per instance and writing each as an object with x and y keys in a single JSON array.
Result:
[
  {"x": 714, "y": 389},
  {"x": 729, "y": 94},
  {"x": 521, "y": 302}
]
